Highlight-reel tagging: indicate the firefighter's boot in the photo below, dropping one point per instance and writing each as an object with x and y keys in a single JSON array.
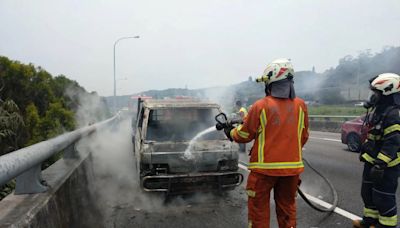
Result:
[{"x": 361, "y": 224}]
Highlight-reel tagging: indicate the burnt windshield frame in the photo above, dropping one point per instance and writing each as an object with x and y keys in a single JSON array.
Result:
[{"x": 179, "y": 124}]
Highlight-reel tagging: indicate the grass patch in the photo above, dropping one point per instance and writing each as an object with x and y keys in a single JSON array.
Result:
[{"x": 336, "y": 110}]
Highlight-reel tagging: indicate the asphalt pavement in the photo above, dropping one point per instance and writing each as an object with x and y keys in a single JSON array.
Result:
[
  {"x": 324, "y": 151},
  {"x": 329, "y": 156}
]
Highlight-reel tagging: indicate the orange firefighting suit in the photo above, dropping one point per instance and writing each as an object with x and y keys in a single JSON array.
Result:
[{"x": 280, "y": 129}]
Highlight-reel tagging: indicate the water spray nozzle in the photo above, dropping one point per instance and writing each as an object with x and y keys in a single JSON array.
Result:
[{"x": 223, "y": 122}]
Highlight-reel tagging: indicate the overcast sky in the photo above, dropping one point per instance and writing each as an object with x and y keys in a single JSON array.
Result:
[{"x": 193, "y": 43}]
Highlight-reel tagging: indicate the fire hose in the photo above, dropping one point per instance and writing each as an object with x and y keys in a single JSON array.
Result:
[
  {"x": 334, "y": 193},
  {"x": 223, "y": 122}
]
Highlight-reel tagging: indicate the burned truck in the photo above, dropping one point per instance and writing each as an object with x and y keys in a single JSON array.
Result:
[{"x": 163, "y": 140}]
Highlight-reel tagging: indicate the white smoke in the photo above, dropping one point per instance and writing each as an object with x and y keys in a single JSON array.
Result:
[
  {"x": 224, "y": 96},
  {"x": 116, "y": 184},
  {"x": 89, "y": 107},
  {"x": 116, "y": 181}
]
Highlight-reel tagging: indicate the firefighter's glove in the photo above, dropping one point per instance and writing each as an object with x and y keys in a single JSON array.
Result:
[
  {"x": 227, "y": 130},
  {"x": 377, "y": 171}
]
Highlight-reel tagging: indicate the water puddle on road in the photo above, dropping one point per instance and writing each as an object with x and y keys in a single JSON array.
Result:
[{"x": 188, "y": 152}]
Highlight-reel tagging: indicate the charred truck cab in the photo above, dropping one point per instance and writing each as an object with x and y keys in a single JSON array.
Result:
[{"x": 164, "y": 129}]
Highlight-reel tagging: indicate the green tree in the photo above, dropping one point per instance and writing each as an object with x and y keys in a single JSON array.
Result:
[
  {"x": 57, "y": 120},
  {"x": 331, "y": 96},
  {"x": 41, "y": 92},
  {"x": 11, "y": 125},
  {"x": 32, "y": 122},
  {"x": 47, "y": 104},
  {"x": 35, "y": 106}
]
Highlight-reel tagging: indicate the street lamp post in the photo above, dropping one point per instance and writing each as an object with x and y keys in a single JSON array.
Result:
[{"x": 115, "y": 80}]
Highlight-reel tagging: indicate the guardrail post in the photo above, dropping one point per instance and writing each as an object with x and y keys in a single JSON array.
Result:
[
  {"x": 30, "y": 181},
  {"x": 70, "y": 152}
]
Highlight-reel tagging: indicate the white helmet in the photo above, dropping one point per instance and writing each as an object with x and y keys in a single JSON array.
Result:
[
  {"x": 278, "y": 70},
  {"x": 387, "y": 83}
]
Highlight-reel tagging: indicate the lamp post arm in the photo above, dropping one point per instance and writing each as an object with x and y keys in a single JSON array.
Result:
[{"x": 115, "y": 80}]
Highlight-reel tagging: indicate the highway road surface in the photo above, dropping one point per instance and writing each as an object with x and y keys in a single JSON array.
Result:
[{"x": 124, "y": 205}]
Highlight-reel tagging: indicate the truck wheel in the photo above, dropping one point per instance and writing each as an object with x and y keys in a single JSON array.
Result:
[{"x": 353, "y": 142}]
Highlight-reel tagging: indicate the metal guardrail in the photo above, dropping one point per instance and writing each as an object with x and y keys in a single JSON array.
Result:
[
  {"x": 329, "y": 117},
  {"x": 25, "y": 164}
]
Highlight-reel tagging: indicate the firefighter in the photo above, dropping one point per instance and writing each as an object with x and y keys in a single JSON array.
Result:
[
  {"x": 380, "y": 154},
  {"x": 242, "y": 112},
  {"x": 279, "y": 125}
]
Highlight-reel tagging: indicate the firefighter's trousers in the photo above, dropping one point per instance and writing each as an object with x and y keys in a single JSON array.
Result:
[
  {"x": 258, "y": 190},
  {"x": 380, "y": 198}
]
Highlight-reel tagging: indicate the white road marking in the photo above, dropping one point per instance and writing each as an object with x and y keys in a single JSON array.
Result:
[
  {"x": 337, "y": 209},
  {"x": 326, "y": 139},
  {"x": 321, "y": 202}
]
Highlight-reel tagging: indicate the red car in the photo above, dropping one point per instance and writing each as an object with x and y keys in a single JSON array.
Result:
[{"x": 354, "y": 133}]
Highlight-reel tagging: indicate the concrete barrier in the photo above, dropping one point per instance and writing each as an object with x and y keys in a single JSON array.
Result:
[
  {"x": 68, "y": 203},
  {"x": 323, "y": 125}
]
